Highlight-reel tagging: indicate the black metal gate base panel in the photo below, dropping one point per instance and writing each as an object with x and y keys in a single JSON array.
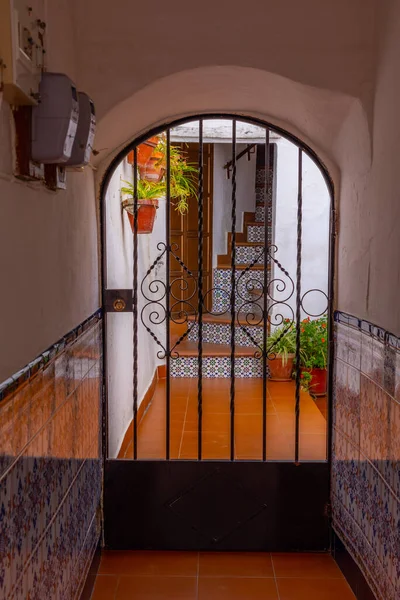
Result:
[{"x": 216, "y": 505}]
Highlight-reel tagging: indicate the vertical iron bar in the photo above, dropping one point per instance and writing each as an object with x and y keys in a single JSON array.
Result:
[
  {"x": 200, "y": 297},
  {"x": 167, "y": 296},
  {"x": 135, "y": 301},
  {"x": 233, "y": 291},
  {"x": 331, "y": 347},
  {"x": 298, "y": 297},
  {"x": 265, "y": 307}
]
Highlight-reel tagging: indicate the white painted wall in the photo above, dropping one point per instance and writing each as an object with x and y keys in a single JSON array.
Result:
[
  {"x": 222, "y": 200},
  {"x": 119, "y": 242},
  {"x": 49, "y": 267},
  {"x": 325, "y": 45},
  {"x": 369, "y": 217},
  {"x": 315, "y": 233}
]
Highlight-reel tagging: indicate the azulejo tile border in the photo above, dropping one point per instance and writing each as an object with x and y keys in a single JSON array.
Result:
[
  {"x": 51, "y": 469},
  {"x": 366, "y": 450}
]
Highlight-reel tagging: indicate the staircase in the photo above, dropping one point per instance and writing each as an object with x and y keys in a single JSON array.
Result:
[{"x": 248, "y": 316}]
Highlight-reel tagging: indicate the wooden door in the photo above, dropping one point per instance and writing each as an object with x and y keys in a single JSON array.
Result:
[{"x": 184, "y": 233}]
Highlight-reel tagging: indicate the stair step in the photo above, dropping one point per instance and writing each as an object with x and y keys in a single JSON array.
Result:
[
  {"x": 256, "y": 233},
  {"x": 225, "y": 319},
  {"x": 248, "y": 244},
  {"x": 245, "y": 255},
  {"x": 256, "y": 267},
  {"x": 190, "y": 349},
  {"x": 253, "y": 278}
]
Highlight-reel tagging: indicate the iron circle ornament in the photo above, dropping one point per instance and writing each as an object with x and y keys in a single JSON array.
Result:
[{"x": 315, "y": 291}]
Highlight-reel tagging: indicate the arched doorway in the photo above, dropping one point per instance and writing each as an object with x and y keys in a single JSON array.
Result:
[{"x": 218, "y": 332}]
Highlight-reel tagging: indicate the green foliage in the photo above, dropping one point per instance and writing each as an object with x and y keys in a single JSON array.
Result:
[
  {"x": 314, "y": 343},
  {"x": 283, "y": 341},
  {"x": 146, "y": 190},
  {"x": 183, "y": 179}
]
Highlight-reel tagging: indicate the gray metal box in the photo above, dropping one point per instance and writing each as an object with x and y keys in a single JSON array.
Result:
[
  {"x": 55, "y": 119},
  {"x": 83, "y": 144}
]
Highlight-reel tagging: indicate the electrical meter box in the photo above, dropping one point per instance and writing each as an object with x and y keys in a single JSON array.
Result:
[
  {"x": 54, "y": 120},
  {"x": 22, "y": 49},
  {"x": 83, "y": 144}
]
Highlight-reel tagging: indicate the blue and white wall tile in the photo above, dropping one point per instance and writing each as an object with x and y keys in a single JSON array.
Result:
[
  {"x": 51, "y": 469},
  {"x": 220, "y": 333},
  {"x": 219, "y": 366},
  {"x": 366, "y": 451}
]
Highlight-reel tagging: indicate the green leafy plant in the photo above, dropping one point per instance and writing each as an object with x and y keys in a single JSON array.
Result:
[
  {"x": 183, "y": 179},
  {"x": 183, "y": 175},
  {"x": 146, "y": 190},
  {"x": 282, "y": 341},
  {"x": 314, "y": 343}
]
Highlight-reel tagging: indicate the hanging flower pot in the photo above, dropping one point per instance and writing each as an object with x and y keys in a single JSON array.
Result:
[
  {"x": 146, "y": 214},
  {"x": 154, "y": 169},
  {"x": 144, "y": 152}
]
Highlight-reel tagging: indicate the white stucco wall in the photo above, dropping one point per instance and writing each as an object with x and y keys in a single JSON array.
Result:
[
  {"x": 49, "y": 267},
  {"x": 222, "y": 200},
  {"x": 315, "y": 232},
  {"x": 119, "y": 242},
  {"x": 369, "y": 218}
]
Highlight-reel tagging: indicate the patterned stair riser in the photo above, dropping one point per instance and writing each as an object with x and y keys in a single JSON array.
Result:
[
  {"x": 260, "y": 195},
  {"x": 255, "y": 233},
  {"x": 244, "y": 300},
  {"x": 220, "y": 333},
  {"x": 246, "y": 254},
  {"x": 260, "y": 212},
  {"x": 220, "y": 366}
]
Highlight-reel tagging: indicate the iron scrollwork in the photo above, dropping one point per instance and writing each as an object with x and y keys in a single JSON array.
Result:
[{"x": 154, "y": 291}]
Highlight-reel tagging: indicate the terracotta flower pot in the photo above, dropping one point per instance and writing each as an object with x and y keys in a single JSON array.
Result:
[
  {"x": 318, "y": 382},
  {"x": 146, "y": 214},
  {"x": 280, "y": 370},
  {"x": 154, "y": 168},
  {"x": 144, "y": 152}
]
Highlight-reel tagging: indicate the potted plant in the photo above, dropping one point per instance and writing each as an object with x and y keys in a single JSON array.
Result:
[
  {"x": 152, "y": 187},
  {"x": 148, "y": 195},
  {"x": 144, "y": 152},
  {"x": 314, "y": 353},
  {"x": 281, "y": 350}
]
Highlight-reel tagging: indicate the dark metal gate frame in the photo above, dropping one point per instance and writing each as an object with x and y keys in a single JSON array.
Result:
[{"x": 179, "y": 496}]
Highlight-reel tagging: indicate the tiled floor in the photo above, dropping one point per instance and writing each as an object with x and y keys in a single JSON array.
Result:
[
  {"x": 219, "y": 576},
  {"x": 216, "y": 422}
]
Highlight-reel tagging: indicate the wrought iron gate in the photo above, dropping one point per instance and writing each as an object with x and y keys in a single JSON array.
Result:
[{"x": 227, "y": 504}]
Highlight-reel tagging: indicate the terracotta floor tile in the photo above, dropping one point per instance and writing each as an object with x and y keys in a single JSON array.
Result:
[
  {"x": 215, "y": 445},
  {"x": 216, "y": 422},
  {"x": 105, "y": 587},
  {"x": 314, "y": 589},
  {"x": 179, "y": 564},
  {"x": 235, "y": 564},
  {"x": 157, "y": 588},
  {"x": 312, "y": 446},
  {"x": 305, "y": 565},
  {"x": 237, "y": 588}
]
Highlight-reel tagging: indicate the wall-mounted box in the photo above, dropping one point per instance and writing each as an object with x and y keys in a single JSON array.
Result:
[
  {"x": 54, "y": 120},
  {"x": 22, "y": 49},
  {"x": 83, "y": 144}
]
